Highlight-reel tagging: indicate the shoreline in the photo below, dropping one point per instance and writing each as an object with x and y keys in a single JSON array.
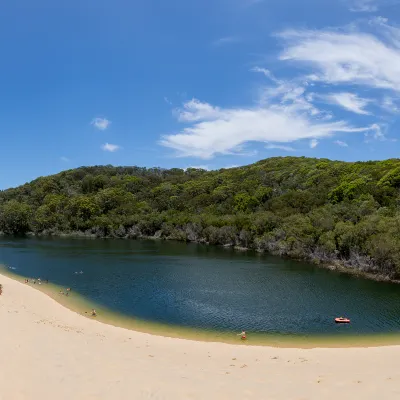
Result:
[
  {"x": 77, "y": 303},
  {"x": 54, "y": 352},
  {"x": 332, "y": 265}
]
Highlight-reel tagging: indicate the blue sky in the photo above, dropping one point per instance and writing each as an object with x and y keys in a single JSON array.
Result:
[{"x": 211, "y": 83}]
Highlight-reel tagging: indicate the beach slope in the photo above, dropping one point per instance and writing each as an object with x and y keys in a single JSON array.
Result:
[{"x": 48, "y": 351}]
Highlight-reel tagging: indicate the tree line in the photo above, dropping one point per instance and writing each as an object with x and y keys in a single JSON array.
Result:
[{"x": 313, "y": 209}]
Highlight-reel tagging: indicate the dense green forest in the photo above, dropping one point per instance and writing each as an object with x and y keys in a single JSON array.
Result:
[{"x": 324, "y": 211}]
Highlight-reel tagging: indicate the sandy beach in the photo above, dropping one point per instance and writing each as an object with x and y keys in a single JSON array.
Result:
[{"x": 49, "y": 351}]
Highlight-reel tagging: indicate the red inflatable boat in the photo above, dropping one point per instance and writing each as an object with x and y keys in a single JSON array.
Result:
[{"x": 342, "y": 320}]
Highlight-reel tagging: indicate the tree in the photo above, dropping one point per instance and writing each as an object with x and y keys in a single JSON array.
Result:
[{"x": 15, "y": 217}]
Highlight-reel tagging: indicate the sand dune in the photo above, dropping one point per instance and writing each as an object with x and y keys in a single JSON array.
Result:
[{"x": 50, "y": 352}]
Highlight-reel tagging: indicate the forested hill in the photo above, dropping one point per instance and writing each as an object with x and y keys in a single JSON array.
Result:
[{"x": 316, "y": 209}]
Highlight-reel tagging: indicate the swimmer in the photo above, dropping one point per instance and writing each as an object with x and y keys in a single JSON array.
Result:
[
  {"x": 243, "y": 335},
  {"x": 93, "y": 312}
]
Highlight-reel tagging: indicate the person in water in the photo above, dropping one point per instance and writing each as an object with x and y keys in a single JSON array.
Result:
[
  {"x": 243, "y": 335},
  {"x": 93, "y": 312}
]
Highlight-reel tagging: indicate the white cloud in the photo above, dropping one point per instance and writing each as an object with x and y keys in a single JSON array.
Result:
[
  {"x": 110, "y": 147},
  {"x": 341, "y": 143},
  {"x": 363, "y": 5},
  {"x": 368, "y": 5},
  {"x": 347, "y": 57},
  {"x": 65, "y": 159},
  {"x": 267, "y": 73},
  {"x": 213, "y": 130},
  {"x": 167, "y": 100},
  {"x": 375, "y": 133},
  {"x": 389, "y": 104},
  {"x": 348, "y": 101},
  {"x": 279, "y": 147},
  {"x": 287, "y": 110},
  {"x": 101, "y": 123}
]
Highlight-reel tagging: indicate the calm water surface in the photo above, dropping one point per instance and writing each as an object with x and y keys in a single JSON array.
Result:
[{"x": 208, "y": 287}]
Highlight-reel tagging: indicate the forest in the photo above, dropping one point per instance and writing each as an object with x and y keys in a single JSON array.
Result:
[{"x": 328, "y": 212}]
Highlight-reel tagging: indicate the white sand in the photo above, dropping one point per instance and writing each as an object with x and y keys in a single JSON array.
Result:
[{"x": 50, "y": 352}]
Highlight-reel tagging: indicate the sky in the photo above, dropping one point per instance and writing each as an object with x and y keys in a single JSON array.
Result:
[{"x": 208, "y": 84}]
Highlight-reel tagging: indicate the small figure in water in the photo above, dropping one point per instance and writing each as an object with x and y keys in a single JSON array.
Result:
[
  {"x": 243, "y": 335},
  {"x": 93, "y": 312}
]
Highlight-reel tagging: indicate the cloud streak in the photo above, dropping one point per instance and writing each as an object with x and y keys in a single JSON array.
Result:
[
  {"x": 346, "y": 57},
  {"x": 290, "y": 110},
  {"x": 368, "y": 6},
  {"x": 213, "y": 130},
  {"x": 341, "y": 143},
  {"x": 349, "y": 101}
]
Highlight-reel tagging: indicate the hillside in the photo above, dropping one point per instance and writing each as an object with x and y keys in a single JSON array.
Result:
[{"x": 315, "y": 209}]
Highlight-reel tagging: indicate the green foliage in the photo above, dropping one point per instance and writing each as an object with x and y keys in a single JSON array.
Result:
[
  {"x": 14, "y": 217},
  {"x": 300, "y": 207}
]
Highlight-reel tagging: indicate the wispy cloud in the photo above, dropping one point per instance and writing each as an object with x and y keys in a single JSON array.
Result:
[
  {"x": 349, "y": 101},
  {"x": 213, "y": 130},
  {"x": 64, "y": 159},
  {"x": 267, "y": 73},
  {"x": 167, "y": 100},
  {"x": 291, "y": 110},
  {"x": 391, "y": 104},
  {"x": 363, "y": 5},
  {"x": 376, "y": 133},
  {"x": 110, "y": 147},
  {"x": 279, "y": 147},
  {"x": 341, "y": 143},
  {"x": 347, "y": 57},
  {"x": 368, "y": 5},
  {"x": 101, "y": 123},
  {"x": 226, "y": 40}
]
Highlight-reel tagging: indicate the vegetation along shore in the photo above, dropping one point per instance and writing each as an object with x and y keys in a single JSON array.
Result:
[{"x": 339, "y": 214}]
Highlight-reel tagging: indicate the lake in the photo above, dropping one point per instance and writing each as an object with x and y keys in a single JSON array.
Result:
[{"x": 208, "y": 288}]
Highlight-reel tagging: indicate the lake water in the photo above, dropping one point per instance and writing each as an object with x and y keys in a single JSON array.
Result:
[{"x": 210, "y": 288}]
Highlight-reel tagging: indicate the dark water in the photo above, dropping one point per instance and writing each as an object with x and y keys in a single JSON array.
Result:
[{"x": 208, "y": 287}]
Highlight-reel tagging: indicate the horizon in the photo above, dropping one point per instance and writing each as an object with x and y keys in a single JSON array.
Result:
[{"x": 211, "y": 85}]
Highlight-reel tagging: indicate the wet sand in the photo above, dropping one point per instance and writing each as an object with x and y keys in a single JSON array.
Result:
[{"x": 49, "y": 351}]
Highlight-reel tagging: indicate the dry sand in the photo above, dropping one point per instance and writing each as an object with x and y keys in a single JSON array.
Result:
[{"x": 50, "y": 352}]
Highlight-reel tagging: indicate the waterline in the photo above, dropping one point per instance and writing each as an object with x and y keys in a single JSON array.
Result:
[{"x": 83, "y": 306}]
